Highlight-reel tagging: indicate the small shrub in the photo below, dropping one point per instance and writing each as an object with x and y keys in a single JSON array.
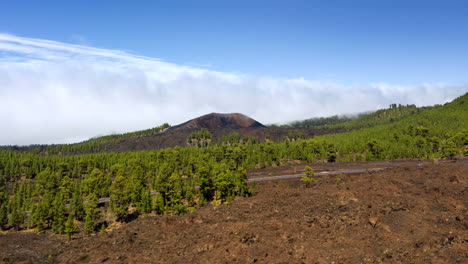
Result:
[
  {"x": 308, "y": 181},
  {"x": 309, "y": 171},
  {"x": 103, "y": 229}
]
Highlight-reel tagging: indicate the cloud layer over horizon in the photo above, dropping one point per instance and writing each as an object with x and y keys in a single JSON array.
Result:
[{"x": 52, "y": 92}]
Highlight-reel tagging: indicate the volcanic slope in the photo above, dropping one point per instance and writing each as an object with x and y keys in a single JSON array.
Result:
[
  {"x": 218, "y": 124},
  {"x": 217, "y": 120}
]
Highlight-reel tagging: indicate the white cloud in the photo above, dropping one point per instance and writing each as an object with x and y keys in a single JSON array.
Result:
[{"x": 52, "y": 92}]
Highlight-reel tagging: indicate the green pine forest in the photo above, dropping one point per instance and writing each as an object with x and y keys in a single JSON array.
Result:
[{"x": 44, "y": 189}]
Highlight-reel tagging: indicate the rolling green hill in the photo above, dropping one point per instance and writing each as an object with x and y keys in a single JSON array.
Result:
[
  {"x": 91, "y": 145},
  {"x": 318, "y": 122},
  {"x": 416, "y": 133},
  {"x": 380, "y": 117}
]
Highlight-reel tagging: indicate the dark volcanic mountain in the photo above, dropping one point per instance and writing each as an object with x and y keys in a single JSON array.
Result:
[
  {"x": 219, "y": 125},
  {"x": 219, "y": 121}
]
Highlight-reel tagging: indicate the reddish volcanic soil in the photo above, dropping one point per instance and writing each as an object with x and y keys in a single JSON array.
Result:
[
  {"x": 217, "y": 120},
  {"x": 408, "y": 214}
]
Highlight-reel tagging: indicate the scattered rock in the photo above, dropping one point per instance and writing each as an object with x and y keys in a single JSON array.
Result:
[
  {"x": 373, "y": 221},
  {"x": 385, "y": 227},
  {"x": 249, "y": 238}
]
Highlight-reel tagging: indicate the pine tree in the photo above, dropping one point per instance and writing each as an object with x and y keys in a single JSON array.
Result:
[
  {"x": 144, "y": 206},
  {"x": 118, "y": 198},
  {"x": 15, "y": 219},
  {"x": 70, "y": 227},
  {"x": 44, "y": 212},
  {"x": 3, "y": 216},
  {"x": 76, "y": 204},
  {"x": 32, "y": 216},
  {"x": 66, "y": 187},
  {"x": 91, "y": 213},
  {"x": 3, "y": 209},
  {"x": 309, "y": 171},
  {"x": 58, "y": 221},
  {"x": 90, "y": 224},
  {"x": 92, "y": 183},
  {"x": 136, "y": 181},
  {"x": 174, "y": 196},
  {"x": 158, "y": 203}
]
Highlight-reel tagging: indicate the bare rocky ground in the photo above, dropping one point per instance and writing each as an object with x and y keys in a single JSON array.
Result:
[{"x": 415, "y": 212}]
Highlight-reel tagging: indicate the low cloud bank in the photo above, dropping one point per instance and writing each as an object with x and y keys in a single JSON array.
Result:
[{"x": 52, "y": 92}]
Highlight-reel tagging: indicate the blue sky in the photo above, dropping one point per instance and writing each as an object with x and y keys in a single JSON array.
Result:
[
  {"x": 404, "y": 42},
  {"x": 71, "y": 70}
]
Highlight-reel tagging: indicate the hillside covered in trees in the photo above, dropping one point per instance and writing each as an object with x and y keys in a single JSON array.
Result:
[
  {"x": 222, "y": 129},
  {"x": 383, "y": 116},
  {"x": 50, "y": 190}
]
